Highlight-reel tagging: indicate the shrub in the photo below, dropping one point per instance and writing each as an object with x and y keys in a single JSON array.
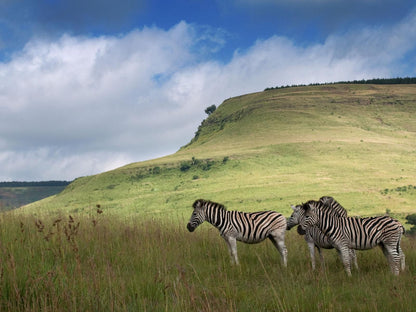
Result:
[
  {"x": 195, "y": 162},
  {"x": 210, "y": 109},
  {"x": 411, "y": 219},
  {"x": 207, "y": 165},
  {"x": 156, "y": 170},
  {"x": 185, "y": 166}
]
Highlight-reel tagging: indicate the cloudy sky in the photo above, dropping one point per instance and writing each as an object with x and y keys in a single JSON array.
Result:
[{"x": 88, "y": 86}]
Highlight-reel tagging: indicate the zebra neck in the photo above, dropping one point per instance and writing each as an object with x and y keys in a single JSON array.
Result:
[
  {"x": 216, "y": 217},
  {"x": 328, "y": 223}
]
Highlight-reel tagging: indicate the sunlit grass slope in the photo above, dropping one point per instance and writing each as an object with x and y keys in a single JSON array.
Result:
[{"x": 268, "y": 150}]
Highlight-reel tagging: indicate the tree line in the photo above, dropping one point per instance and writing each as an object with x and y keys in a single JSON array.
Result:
[{"x": 406, "y": 80}]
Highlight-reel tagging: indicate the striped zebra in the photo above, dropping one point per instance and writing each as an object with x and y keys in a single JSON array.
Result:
[
  {"x": 314, "y": 237},
  {"x": 357, "y": 233},
  {"x": 236, "y": 226}
]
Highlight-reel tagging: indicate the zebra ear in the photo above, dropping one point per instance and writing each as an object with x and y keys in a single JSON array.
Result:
[
  {"x": 198, "y": 203},
  {"x": 293, "y": 207},
  {"x": 308, "y": 207}
]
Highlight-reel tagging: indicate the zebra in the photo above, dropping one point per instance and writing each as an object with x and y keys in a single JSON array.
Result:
[
  {"x": 236, "y": 226},
  {"x": 314, "y": 237},
  {"x": 357, "y": 233}
]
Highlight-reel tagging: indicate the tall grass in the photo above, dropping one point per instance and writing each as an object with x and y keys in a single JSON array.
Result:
[{"x": 101, "y": 263}]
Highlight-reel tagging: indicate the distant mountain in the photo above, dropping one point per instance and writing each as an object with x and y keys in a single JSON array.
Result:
[{"x": 17, "y": 193}]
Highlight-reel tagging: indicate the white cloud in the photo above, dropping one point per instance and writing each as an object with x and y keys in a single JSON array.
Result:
[{"x": 81, "y": 105}]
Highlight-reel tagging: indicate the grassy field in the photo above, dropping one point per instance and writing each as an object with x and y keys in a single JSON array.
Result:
[{"x": 101, "y": 263}]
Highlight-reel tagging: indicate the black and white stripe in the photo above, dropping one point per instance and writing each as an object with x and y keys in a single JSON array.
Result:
[
  {"x": 333, "y": 205},
  {"x": 235, "y": 226},
  {"x": 314, "y": 237},
  {"x": 348, "y": 233}
]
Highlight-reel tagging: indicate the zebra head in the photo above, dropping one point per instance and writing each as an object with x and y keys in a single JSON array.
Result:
[
  {"x": 297, "y": 215},
  {"x": 310, "y": 217},
  {"x": 198, "y": 216}
]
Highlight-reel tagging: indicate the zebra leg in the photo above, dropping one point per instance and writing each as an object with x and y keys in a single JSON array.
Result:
[
  {"x": 344, "y": 253},
  {"x": 321, "y": 256},
  {"x": 353, "y": 257},
  {"x": 401, "y": 255},
  {"x": 393, "y": 258},
  {"x": 311, "y": 247},
  {"x": 232, "y": 248},
  {"x": 278, "y": 240},
  {"x": 402, "y": 259}
]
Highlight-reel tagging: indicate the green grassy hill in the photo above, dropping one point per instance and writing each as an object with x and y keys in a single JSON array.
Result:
[{"x": 268, "y": 150}]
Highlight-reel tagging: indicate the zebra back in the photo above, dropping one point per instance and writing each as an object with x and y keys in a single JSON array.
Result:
[{"x": 207, "y": 204}]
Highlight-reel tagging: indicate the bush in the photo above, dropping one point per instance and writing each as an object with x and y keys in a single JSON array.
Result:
[
  {"x": 411, "y": 219},
  {"x": 185, "y": 166},
  {"x": 210, "y": 109},
  {"x": 195, "y": 162},
  {"x": 205, "y": 165}
]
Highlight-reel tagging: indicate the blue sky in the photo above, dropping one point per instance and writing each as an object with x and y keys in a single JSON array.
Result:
[{"x": 88, "y": 86}]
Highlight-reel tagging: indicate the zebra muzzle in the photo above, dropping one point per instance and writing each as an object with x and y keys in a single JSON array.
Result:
[{"x": 190, "y": 227}]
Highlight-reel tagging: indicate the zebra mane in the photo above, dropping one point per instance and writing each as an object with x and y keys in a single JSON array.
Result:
[
  {"x": 207, "y": 203},
  {"x": 325, "y": 206},
  {"x": 328, "y": 199},
  {"x": 310, "y": 203}
]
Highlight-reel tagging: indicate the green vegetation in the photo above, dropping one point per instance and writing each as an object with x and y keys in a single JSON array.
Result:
[
  {"x": 382, "y": 81},
  {"x": 411, "y": 219},
  {"x": 102, "y": 263},
  {"x": 210, "y": 109}
]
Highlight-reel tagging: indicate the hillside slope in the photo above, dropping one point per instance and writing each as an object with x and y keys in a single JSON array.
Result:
[{"x": 270, "y": 149}]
